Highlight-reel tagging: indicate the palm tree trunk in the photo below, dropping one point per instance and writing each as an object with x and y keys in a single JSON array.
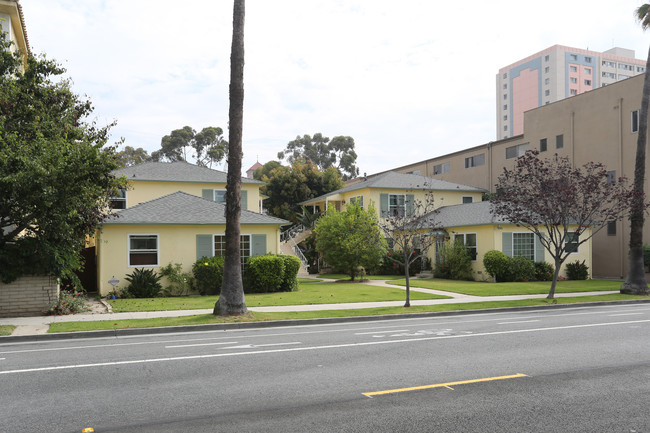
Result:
[
  {"x": 231, "y": 301},
  {"x": 635, "y": 282}
]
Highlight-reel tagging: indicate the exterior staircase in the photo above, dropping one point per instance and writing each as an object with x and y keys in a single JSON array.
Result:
[{"x": 289, "y": 241}]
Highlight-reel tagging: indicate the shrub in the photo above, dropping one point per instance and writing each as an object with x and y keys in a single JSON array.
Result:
[
  {"x": 543, "y": 271},
  {"x": 496, "y": 265},
  {"x": 389, "y": 267},
  {"x": 143, "y": 283},
  {"x": 264, "y": 274},
  {"x": 69, "y": 302},
  {"x": 455, "y": 262},
  {"x": 208, "y": 275},
  {"x": 291, "y": 268},
  {"x": 577, "y": 270},
  {"x": 180, "y": 283},
  {"x": 521, "y": 269}
]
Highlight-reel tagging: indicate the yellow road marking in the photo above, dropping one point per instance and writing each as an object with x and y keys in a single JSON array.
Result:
[{"x": 447, "y": 385}]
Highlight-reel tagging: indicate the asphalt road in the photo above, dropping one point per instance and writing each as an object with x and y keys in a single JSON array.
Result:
[{"x": 578, "y": 369}]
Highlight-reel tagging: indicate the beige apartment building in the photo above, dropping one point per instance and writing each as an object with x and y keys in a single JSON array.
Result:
[
  {"x": 12, "y": 22},
  {"x": 599, "y": 126}
]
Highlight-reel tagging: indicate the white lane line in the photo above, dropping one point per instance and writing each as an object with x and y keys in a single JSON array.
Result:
[
  {"x": 375, "y": 332},
  {"x": 300, "y": 349},
  {"x": 252, "y": 346},
  {"x": 626, "y": 314},
  {"x": 201, "y": 344},
  {"x": 518, "y": 321}
]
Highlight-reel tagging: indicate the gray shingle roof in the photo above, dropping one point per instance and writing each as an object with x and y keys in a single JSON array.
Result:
[
  {"x": 183, "y": 208},
  {"x": 176, "y": 172},
  {"x": 395, "y": 180},
  {"x": 469, "y": 214}
]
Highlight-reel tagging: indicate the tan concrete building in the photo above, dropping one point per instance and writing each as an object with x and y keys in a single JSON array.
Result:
[
  {"x": 600, "y": 126},
  {"x": 12, "y": 22}
]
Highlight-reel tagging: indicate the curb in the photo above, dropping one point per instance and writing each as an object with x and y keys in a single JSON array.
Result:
[{"x": 292, "y": 322}]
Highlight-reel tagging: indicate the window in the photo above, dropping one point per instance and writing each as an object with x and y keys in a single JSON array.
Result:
[
  {"x": 505, "y": 106},
  {"x": 505, "y": 117},
  {"x": 516, "y": 151},
  {"x": 587, "y": 59},
  {"x": 469, "y": 240},
  {"x": 587, "y": 82},
  {"x": 546, "y": 69},
  {"x": 635, "y": 121},
  {"x": 441, "y": 168},
  {"x": 559, "y": 141},
  {"x": 542, "y": 145},
  {"x": 475, "y": 161},
  {"x": 505, "y": 86},
  {"x": 468, "y": 199},
  {"x": 574, "y": 80},
  {"x": 547, "y": 80},
  {"x": 143, "y": 250},
  {"x": 547, "y": 92},
  {"x": 611, "y": 177},
  {"x": 611, "y": 228},
  {"x": 118, "y": 201},
  {"x": 625, "y": 67},
  {"x": 505, "y": 128},
  {"x": 220, "y": 195},
  {"x": 417, "y": 172},
  {"x": 357, "y": 200},
  {"x": 609, "y": 75},
  {"x": 244, "y": 246},
  {"x": 523, "y": 244},
  {"x": 505, "y": 75},
  {"x": 571, "y": 243},
  {"x": 623, "y": 77},
  {"x": 574, "y": 56},
  {"x": 609, "y": 64},
  {"x": 587, "y": 71},
  {"x": 505, "y": 96},
  {"x": 396, "y": 205},
  {"x": 640, "y": 69},
  {"x": 546, "y": 57},
  {"x": 573, "y": 92},
  {"x": 573, "y": 69}
]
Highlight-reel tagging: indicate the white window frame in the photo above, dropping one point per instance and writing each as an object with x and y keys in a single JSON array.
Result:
[
  {"x": 243, "y": 259},
  {"x": 463, "y": 236},
  {"x": 124, "y": 199},
  {"x": 576, "y": 242},
  {"x": 357, "y": 199},
  {"x": 442, "y": 168},
  {"x": 527, "y": 234},
  {"x": 391, "y": 207},
  {"x": 214, "y": 195},
  {"x": 471, "y": 199},
  {"x": 129, "y": 251}
]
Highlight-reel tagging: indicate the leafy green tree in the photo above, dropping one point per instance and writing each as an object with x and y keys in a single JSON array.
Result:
[
  {"x": 287, "y": 187},
  {"x": 130, "y": 156},
  {"x": 207, "y": 147},
  {"x": 266, "y": 170},
  {"x": 635, "y": 281},
  {"x": 324, "y": 153},
  {"x": 55, "y": 168},
  {"x": 231, "y": 300},
  {"x": 350, "y": 239}
]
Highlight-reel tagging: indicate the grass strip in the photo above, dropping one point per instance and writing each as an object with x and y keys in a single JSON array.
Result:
[
  {"x": 365, "y": 277},
  {"x": 307, "y": 294},
  {"x": 205, "y": 319},
  {"x": 6, "y": 330},
  {"x": 478, "y": 288}
]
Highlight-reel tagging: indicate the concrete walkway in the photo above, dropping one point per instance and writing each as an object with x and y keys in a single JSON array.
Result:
[{"x": 40, "y": 324}]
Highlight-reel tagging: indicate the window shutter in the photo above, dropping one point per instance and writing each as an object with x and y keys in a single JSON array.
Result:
[
  {"x": 258, "y": 245},
  {"x": 383, "y": 205},
  {"x": 208, "y": 194},
  {"x": 410, "y": 205},
  {"x": 506, "y": 246},
  {"x": 203, "y": 246},
  {"x": 539, "y": 250},
  {"x": 244, "y": 199}
]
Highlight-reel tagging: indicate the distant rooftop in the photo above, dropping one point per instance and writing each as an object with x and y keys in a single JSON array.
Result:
[{"x": 176, "y": 172}]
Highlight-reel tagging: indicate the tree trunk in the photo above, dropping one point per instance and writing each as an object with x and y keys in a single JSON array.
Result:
[
  {"x": 231, "y": 301},
  {"x": 408, "y": 284},
  {"x": 635, "y": 282},
  {"x": 551, "y": 292}
]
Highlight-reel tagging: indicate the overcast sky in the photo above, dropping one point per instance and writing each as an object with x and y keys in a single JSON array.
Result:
[{"x": 407, "y": 80}]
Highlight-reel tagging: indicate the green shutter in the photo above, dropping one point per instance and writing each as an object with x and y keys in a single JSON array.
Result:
[
  {"x": 208, "y": 194},
  {"x": 258, "y": 245},
  {"x": 203, "y": 246},
  {"x": 410, "y": 205},
  {"x": 539, "y": 250},
  {"x": 383, "y": 205},
  {"x": 506, "y": 246},
  {"x": 244, "y": 200}
]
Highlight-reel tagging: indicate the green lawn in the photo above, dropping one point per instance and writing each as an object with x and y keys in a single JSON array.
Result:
[
  {"x": 322, "y": 293},
  {"x": 6, "y": 330},
  {"x": 504, "y": 289},
  {"x": 257, "y": 317},
  {"x": 365, "y": 277}
]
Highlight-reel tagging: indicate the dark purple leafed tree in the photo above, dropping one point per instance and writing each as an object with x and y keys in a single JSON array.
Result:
[{"x": 552, "y": 199}]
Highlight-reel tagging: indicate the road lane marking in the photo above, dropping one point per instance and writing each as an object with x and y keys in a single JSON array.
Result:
[
  {"x": 447, "y": 385},
  {"x": 201, "y": 344},
  {"x": 306, "y": 348},
  {"x": 518, "y": 321},
  {"x": 252, "y": 346},
  {"x": 626, "y": 314},
  {"x": 375, "y": 332}
]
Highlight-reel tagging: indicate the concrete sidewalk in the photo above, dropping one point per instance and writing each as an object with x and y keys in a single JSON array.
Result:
[{"x": 40, "y": 324}]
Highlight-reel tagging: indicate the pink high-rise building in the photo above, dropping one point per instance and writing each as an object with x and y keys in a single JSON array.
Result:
[{"x": 553, "y": 74}]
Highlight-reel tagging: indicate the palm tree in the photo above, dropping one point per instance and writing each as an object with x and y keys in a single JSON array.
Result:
[
  {"x": 231, "y": 301},
  {"x": 635, "y": 282}
]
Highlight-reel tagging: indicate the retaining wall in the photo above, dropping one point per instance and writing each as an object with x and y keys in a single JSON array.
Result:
[{"x": 27, "y": 296}]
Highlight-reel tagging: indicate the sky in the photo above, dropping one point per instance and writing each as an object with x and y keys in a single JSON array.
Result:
[{"x": 408, "y": 80}]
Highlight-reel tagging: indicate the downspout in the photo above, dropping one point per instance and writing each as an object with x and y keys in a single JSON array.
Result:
[
  {"x": 620, "y": 171},
  {"x": 573, "y": 131}
]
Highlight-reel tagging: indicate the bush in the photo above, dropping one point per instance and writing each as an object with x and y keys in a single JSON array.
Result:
[
  {"x": 389, "y": 267},
  {"x": 543, "y": 271},
  {"x": 68, "y": 303},
  {"x": 208, "y": 275},
  {"x": 496, "y": 265},
  {"x": 180, "y": 283},
  {"x": 577, "y": 270},
  {"x": 291, "y": 268},
  {"x": 144, "y": 283},
  {"x": 264, "y": 274},
  {"x": 521, "y": 269},
  {"x": 455, "y": 263}
]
